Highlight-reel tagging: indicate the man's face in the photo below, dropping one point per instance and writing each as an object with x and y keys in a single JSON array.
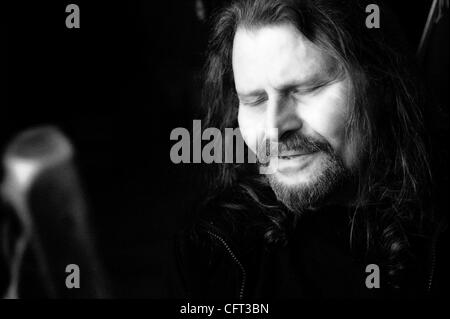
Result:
[{"x": 284, "y": 81}]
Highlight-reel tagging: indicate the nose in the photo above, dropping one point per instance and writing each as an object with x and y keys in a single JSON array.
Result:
[{"x": 281, "y": 117}]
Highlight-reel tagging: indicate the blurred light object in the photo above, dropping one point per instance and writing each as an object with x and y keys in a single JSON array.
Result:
[
  {"x": 42, "y": 187},
  {"x": 200, "y": 10}
]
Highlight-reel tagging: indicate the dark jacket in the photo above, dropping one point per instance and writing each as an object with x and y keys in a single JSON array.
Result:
[{"x": 315, "y": 263}]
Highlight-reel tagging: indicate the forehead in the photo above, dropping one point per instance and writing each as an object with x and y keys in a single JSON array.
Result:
[{"x": 274, "y": 56}]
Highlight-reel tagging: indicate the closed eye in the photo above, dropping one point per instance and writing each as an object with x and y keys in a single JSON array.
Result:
[
  {"x": 310, "y": 89},
  {"x": 315, "y": 87},
  {"x": 254, "y": 102}
]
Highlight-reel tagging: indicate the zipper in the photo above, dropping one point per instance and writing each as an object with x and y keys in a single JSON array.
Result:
[
  {"x": 236, "y": 260},
  {"x": 433, "y": 265},
  {"x": 440, "y": 229},
  {"x": 433, "y": 261}
]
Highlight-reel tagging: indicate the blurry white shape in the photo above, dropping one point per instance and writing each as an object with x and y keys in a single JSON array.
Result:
[
  {"x": 45, "y": 145},
  {"x": 200, "y": 10},
  {"x": 21, "y": 172},
  {"x": 27, "y": 156}
]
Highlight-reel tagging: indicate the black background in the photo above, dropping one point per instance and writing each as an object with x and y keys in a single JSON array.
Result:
[{"x": 117, "y": 87}]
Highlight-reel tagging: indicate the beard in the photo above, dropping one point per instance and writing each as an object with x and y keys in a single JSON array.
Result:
[{"x": 328, "y": 176}]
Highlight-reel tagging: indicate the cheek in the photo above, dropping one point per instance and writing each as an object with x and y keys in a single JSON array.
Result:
[
  {"x": 327, "y": 114},
  {"x": 251, "y": 126}
]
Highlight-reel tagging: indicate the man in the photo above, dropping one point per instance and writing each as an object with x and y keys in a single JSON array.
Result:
[{"x": 350, "y": 191}]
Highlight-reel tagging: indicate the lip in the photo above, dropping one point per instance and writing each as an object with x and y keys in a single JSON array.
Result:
[{"x": 289, "y": 164}]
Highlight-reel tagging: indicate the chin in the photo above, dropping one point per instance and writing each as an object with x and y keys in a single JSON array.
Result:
[
  {"x": 308, "y": 187},
  {"x": 303, "y": 175},
  {"x": 297, "y": 180}
]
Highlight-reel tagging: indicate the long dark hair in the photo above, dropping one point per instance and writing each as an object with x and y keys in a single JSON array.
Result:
[{"x": 386, "y": 118}]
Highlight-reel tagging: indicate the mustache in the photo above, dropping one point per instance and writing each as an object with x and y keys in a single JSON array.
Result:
[{"x": 293, "y": 142}]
